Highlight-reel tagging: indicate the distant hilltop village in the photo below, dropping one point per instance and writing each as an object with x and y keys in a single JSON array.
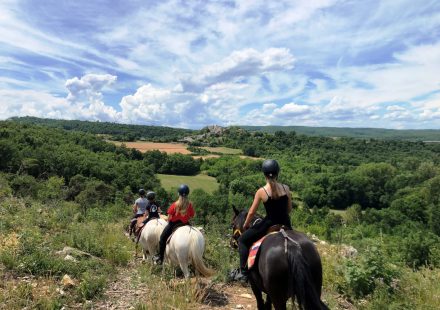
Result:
[{"x": 208, "y": 131}]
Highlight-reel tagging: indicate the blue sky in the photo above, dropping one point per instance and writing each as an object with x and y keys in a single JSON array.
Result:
[{"x": 195, "y": 63}]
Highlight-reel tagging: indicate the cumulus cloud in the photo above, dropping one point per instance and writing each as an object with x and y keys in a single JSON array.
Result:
[
  {"x": 146, "y": 104},
  {"x": 85, "y": 94},
  {"x": 291, "y": 109}
]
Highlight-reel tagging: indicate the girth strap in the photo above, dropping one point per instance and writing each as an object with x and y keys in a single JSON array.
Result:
[{"x": 286, "y": 237}]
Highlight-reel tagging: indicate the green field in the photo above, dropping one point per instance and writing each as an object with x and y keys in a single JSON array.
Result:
[
  {"x": 223, "y": 150},
  {"x": 202, "y": 181}
]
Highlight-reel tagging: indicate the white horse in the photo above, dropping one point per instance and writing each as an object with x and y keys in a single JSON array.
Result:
[
  {"x": 149, "y": 239},
  {"x": 186, "y": 247}
]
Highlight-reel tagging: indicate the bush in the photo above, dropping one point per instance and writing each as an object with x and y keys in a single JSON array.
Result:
[
  {"x": 363, "y": 275},
  {"x": 25, "y": 185},
  {"x": 417, "y": 249}
]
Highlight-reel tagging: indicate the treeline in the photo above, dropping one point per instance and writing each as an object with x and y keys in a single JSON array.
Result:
[
  {"x": 47, "y": 163},
  {"x": 362, "y": 133},
  {"x": 114, "y": 131}
]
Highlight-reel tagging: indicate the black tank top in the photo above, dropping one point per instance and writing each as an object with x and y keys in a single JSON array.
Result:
[{"x": 277, "y": 209}]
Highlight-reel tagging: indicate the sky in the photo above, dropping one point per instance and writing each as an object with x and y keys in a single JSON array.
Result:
[{"x": 195, "y": 63}]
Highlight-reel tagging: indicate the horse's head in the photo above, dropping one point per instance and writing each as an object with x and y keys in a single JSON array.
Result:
[{"x": 237, "y": 226}]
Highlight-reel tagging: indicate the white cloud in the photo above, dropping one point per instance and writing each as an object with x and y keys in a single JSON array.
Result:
[
  {"x": 242, "y": 63},
  {"x": 147, "y": 104},
  {"x": 291, "y": 110},
  {"x": 395, "y": 108}
]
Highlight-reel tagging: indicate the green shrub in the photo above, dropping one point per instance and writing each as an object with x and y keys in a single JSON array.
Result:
[
  {"x": 417, "y": 249},
  {"x": 363, "y": 275}
]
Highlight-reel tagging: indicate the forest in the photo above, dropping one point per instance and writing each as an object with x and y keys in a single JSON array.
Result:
[
  {"x": 362, "y": 133},
  {"x": 380, "y": 196},
  {"x": 114, "y": 131}
]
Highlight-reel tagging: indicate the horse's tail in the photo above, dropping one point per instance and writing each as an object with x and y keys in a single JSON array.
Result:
[
  {"x": 301, "y": 283},
  {"x": 196, "y": 249}
]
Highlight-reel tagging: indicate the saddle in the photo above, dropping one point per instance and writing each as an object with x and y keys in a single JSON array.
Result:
[
  {"x": 175, "y": 228},
  {"x": 253, "y": 253}
]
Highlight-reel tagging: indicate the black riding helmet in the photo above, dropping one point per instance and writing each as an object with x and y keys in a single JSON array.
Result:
[
  {"x": 151, "y": 195},
  {"x": 270, "y": 168},
  {"x": 142, "y": 192},
  {"x": 183, "y": 190}
]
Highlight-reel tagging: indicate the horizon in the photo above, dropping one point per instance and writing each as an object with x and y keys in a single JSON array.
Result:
[
  {"x": 325, "y": 63},
  {"x": 226, "y": 126}
]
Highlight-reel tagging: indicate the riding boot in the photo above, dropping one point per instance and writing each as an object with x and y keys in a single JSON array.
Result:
[{"x": 243, "y": 275}]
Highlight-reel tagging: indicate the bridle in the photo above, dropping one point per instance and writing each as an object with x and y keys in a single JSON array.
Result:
[
  {"x": 237, "y": 232},
  {"x": 234, "y": 238}
]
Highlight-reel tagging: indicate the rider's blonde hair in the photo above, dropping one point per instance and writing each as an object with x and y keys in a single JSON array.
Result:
[{"x": 182, "y": 204}]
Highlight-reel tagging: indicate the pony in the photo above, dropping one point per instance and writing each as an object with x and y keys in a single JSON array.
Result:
[
  {"x": 288, "y": 266},
  {"x": 186, "y": 247},
  {"x": 149, "y": 238}
]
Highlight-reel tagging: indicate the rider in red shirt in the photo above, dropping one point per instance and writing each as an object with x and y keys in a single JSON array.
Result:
[{"x": 180, "y": 212}]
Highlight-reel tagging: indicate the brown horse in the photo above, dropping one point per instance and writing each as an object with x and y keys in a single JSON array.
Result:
[{"x": 288, "y": 266}]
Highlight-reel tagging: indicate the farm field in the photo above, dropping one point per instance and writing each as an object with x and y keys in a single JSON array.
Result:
[
  {"x": 223, "y": 150},
  {"x": 144, "y": 146},
  {"x": 202, "y": 181}
]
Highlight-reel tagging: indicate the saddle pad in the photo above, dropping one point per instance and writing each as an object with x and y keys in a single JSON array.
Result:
[{"x": 253, "y": 252}]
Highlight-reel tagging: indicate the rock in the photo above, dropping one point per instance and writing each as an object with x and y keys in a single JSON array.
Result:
[
  {"x": 60, "y": 291},
  {"x": 239, "y": 306},
  {"x": 67, "y": 281},
  {"x": 67, "y": 250},
  {"x": 248, "y": 296},
  {"x": 349, "y": 251},
  {"x": 70, "y": 258}
]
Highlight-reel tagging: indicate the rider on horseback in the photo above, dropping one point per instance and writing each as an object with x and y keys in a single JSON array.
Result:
[
  {"x": 152, "y": 209},
  {"x": 277, "y": 201},
  {"x": 139, "y": 208},
  {"x": 180, "y": 212}
]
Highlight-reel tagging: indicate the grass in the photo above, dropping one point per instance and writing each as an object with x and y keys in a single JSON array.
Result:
[
  {"x": 202, "y": 181},
  {"x": 223, "y": 150}
]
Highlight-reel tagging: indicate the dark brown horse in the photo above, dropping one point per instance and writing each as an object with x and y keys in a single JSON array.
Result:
[{"x": 288, "y": 266}]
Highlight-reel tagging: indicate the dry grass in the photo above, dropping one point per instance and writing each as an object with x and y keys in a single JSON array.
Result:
[{"x": 143, "y": 146}]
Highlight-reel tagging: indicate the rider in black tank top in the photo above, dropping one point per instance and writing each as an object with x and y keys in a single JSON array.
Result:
[{"x": 277, "y": 212}]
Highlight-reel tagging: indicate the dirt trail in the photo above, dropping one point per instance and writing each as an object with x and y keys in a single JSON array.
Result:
[{"x": 124, "y": 293}]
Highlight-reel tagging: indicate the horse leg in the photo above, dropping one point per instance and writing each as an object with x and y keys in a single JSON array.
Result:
[
  {"x": 268, "y": 303},
  {"x": 182, "y": 258},
  {"x": 184, "y": 266},
  {"x": 258, "y": 296},
  {"x": 144, "y": 254},
  {"x": 279, "y": 304}
]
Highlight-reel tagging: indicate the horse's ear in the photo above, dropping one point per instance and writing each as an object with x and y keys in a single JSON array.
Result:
[{"x": 235, "y": 210}]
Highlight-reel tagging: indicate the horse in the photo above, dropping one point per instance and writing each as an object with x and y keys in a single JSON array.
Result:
[
  {"x": 185, "y": 247},
  {"x": 288, "y": 266},
  {"x": 149, "y": 238}
]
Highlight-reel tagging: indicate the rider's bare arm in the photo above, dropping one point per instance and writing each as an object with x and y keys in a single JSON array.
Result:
[{"x": 253, "y": 209}]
